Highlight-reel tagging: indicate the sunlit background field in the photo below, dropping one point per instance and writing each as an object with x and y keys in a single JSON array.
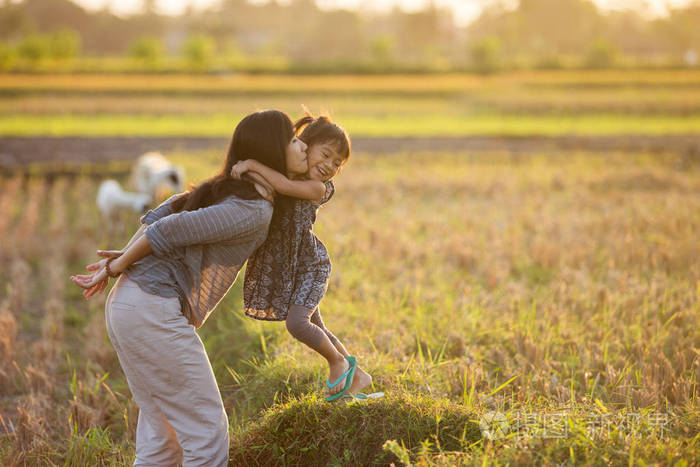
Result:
[
  {"x": 514, "y": 239},
  {"x": 559, "y": 284},
  {"x": 521, "y": 104}
]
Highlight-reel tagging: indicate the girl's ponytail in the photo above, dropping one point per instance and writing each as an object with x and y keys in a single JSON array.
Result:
[
  {"x": 313, "y": 130},
  {"x": 302, "y": 122}
]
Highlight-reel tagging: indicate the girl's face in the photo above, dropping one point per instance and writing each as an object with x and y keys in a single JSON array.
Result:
[
  {"x": 296, "y": 158},
  {"x": 324, "y": 161}
]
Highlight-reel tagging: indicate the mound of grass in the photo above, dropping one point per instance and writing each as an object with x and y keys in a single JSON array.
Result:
[
  {"x": 263, "y": 382},
  {"x": 310, "y": 431}
]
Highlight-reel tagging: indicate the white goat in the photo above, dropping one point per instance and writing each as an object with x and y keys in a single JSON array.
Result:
[
  {"x": 112, "y": 199},
  {"x": 155, "y": 176}
]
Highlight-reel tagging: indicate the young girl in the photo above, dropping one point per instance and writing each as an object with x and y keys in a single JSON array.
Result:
[{"x": 288, "y": 275}]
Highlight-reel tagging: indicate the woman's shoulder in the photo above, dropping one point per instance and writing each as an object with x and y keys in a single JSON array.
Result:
[
  {"x": 260, "y": 208},
  {"x": 256, "y": 204}
]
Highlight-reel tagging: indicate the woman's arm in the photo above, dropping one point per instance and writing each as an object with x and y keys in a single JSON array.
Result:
[
  {"x": 135, "y": 251},
  {"x": 161, "y": 211},
  {"x": 303, "y": 189},
  {"x": 221, "y": 222},
  {"x": 216, "y": 223},
  {"x": 137, "y": 235}
]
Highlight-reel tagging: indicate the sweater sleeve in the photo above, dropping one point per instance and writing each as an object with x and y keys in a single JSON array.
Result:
[
  {"x": 161, "y": 211},
  {"x": 218, "y": 223}
]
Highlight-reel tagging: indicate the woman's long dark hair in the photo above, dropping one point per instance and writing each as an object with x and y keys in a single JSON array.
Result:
[{"x": 263, "y": 136}]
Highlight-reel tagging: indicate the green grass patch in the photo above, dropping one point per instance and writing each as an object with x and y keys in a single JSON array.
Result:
[
  {"x": 310, "y": 431},
  {"x": 376, "y": 126},
  {"x": 95, "y": 447}
]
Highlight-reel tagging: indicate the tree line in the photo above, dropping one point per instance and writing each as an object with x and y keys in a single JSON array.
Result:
[{"x": 300, "y": 35}]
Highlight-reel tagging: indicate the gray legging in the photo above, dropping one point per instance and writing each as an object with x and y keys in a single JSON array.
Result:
[{"x": 307, "y": 326}]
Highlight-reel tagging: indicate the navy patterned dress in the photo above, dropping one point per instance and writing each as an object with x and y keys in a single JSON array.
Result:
[{"x": 292, "y": 266}]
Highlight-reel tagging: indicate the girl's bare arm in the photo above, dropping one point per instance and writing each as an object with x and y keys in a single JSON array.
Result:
[{"x": 303, "y": 189}]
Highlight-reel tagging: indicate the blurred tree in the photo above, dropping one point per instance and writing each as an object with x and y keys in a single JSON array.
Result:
[
  {"x": 15, "y": 22},
  {"x": 417, "y": 29},
  {"x": 34, "y": 48},
  {"x": 541, "y": 28},
  {"x": 65, "y": 44},
  {"x": 486, "y": 54},
  {"x": 149, "y": 7},
  {"x": 8, "y": 56},
  {"x": 632, "y": 34},
  {"x": 199, "y": 50},
  {"x": 336, "y": 36},
  {"x": 146, "y": 50},
  {"x": 540, "y": 32},
  {"x": 601, "y": 54},
  {"x": 383, "y": 49},
  {"x": 549, "y": 62},
  {"x": 683, "y": 28},
  {"x": 559, "y": 26}
]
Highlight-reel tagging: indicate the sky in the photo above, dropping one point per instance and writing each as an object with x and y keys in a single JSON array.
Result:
[{"x": 465, "y": 11}]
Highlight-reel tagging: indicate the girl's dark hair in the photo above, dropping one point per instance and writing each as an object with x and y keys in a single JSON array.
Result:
[
  {"x": 321, "y": 129},
  {"x": 263, "y": 136}
]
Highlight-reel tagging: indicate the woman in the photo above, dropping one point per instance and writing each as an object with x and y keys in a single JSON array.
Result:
[{"x": 177, "y": 268}]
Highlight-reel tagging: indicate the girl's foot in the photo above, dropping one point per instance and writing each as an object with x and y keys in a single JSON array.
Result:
[
  {"x": 336, "y": 371},
  {"x": 362, "y": 380}
]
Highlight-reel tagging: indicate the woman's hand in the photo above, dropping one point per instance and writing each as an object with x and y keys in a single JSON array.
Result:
[
  {"x": 92, "y": 283},
  {"x": 97, "y": 281},
  {"x": 105, "y": 254},
  {"x": 239, "y": 168}
]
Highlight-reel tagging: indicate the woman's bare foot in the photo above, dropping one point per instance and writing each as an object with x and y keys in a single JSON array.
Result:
[
  {"x": 336, "y": 371},
  {"x": 362, "y": 380}
]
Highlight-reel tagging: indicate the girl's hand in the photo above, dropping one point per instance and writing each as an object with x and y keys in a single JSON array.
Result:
[
  {"x": 266, "y": 193},
  {"x": 261, "y": 185},
  {"x": 239, "y": 168}
]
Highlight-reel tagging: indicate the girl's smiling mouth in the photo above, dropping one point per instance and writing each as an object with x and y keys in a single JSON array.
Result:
[{"x": 321, "y": 171}]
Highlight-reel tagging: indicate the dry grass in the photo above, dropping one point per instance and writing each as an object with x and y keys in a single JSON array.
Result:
[{"x": 572, "y": 278}]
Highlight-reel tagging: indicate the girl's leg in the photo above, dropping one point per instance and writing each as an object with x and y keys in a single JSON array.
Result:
[
  {"x": 362, "y": 378},
  {"x": 300, "y": 326},
  {"x": 317, "y": 337},
  {"x": 170, "y": 377},
  {"x": 318, "y": 321}
]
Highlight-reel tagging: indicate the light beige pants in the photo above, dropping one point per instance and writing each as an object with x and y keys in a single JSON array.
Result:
[{"x": 182, "y": 417}]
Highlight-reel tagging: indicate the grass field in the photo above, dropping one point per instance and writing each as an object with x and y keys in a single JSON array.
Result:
[
  {"x": 572, "y": 279},
  {"x": 551, "y": 104},
  {"x": 387, "y": 125},
  {"x": 516, "y": 308}
]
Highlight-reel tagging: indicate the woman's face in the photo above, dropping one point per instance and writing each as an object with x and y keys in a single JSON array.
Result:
[
  {"x": 324, "y": 161},
  {"x": 296, "y": 158}
]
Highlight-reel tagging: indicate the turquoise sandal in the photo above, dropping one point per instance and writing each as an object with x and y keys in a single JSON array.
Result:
[{"x": 348, "y": 376}]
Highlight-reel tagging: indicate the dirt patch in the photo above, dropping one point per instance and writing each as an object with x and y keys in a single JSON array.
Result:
[{"x": 16, "y": 152}]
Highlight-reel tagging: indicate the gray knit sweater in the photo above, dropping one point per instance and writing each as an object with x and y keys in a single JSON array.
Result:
[{"x": 197, "y": 254}]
